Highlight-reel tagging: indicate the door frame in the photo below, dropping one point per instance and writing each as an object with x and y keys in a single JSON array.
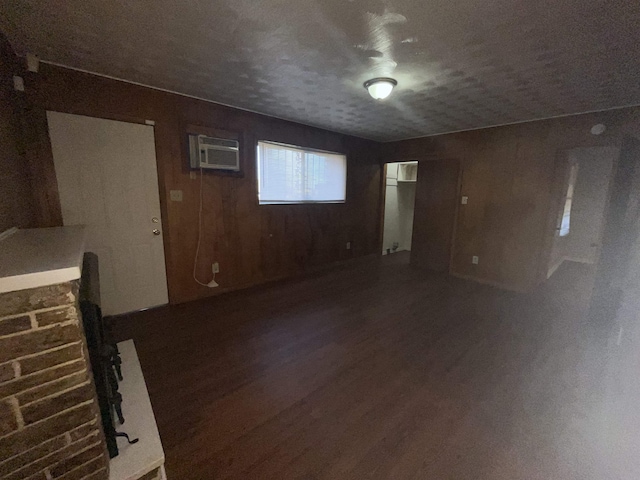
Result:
[
  {"x": 456, "y": 216},
  {"x": 561, "y": 172},
  {"x": 52, "y": 180},
  {"x": 381, "y": 206},
  {"x": 383, "y": 193},
  {"x": 383, "y": 200}
]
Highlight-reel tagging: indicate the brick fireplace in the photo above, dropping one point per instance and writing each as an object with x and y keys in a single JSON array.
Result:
[{"x": 49, "y": 418}]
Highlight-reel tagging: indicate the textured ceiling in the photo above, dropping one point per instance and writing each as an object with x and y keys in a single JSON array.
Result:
[{"x": 459, "y": 64}]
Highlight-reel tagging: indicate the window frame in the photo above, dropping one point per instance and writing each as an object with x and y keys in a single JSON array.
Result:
[
  {"x": 572, "y": 180},
  {"x": 305, "y": 150}
]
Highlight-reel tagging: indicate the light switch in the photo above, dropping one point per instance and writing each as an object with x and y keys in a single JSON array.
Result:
[
  {"x": 175, "y": 195},
  {"x": 465, "y": 200}
]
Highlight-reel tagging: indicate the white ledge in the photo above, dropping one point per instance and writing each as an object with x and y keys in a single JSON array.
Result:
[
  {"x": 136, "y": 460},
  {"x": 40, "y": 256}
]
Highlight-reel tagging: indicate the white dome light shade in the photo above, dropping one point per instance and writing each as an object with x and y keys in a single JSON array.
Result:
[{"x": 380, "y": 88}]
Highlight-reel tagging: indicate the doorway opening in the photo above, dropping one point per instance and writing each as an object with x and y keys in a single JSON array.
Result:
[
  {"x": 399, "y": 204},
  {"x": 586, "y": 175}
]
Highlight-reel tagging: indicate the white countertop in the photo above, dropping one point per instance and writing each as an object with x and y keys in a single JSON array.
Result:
[
  {"x": 37, "y": 257},
  {"x": 134, "y": 461}
]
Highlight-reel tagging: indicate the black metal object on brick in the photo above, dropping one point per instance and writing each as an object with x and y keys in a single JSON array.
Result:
[{"x": 103, "y": 355}]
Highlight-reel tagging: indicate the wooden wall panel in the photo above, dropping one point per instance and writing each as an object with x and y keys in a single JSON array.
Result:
[
  {"x": 508, "y": 175},
  {"x": 252, "y": 243},
  {"x": 16, "y": 201},
  {"x": 434, "y": 214}
]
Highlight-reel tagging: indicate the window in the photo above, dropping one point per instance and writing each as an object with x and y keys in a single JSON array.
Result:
[
  {"x": 288, "y": 174},
  {"x": 566, "y": 213}
]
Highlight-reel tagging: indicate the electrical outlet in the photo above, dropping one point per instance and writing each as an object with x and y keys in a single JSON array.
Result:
[
  {"x": 18, "y": 83},
  {"x": 215, "y": 268},
  {"x": 175, "y": 195},
  {"x": 348, "y": 245},
  {"x": 475, "y": 260},
  {"x": 465, "y": 200}
]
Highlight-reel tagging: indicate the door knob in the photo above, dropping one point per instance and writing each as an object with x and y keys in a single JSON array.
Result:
[{"x": 156, "y": 231}]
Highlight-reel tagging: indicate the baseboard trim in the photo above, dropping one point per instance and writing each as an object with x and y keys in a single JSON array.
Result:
[{"x": 293, "y": 276}]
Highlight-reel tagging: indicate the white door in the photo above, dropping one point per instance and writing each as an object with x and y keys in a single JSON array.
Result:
[{"x": 107, "y": 180}]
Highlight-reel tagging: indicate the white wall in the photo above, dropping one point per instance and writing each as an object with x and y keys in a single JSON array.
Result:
[{"x": 398, "y": 210}]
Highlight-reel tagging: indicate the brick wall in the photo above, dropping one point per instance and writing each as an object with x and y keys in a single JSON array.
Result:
[{"x": 49, "y": 422}]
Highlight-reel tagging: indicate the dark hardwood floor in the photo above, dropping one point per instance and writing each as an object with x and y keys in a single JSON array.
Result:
[{"x": 376, "y": 370}]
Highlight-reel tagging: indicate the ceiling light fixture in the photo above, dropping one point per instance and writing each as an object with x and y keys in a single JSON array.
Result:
[{"x": 380, "y": 88}]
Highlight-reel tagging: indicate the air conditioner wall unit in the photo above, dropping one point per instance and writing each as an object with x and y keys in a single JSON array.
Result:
[{"x": 214, "y": 153}]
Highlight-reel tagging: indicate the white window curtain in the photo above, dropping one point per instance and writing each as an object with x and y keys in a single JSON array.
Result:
[{"x": 288, "y": 174}]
